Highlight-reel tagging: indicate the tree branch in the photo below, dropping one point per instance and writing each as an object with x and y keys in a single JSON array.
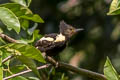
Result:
[
  {"x": 6, "y": 59},
  {"x": 21, "y": 73},
  {"x": 81, "y": 71},
  {"x": 7, "y": 38}
]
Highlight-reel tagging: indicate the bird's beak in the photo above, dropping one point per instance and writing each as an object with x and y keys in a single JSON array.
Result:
[{"x": 77, "y": 30}]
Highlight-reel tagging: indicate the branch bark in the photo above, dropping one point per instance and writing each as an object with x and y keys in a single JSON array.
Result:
[
  {"x": 6, "y": 59},
  {"x": 81, "y": 71},
  {"x": 7, "y": 38}
]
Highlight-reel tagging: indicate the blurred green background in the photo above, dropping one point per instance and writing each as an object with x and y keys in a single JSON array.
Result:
[{"x": 89, "y": 48}]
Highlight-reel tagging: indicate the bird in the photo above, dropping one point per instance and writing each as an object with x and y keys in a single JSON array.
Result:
[{"x": 52, "y": 44}]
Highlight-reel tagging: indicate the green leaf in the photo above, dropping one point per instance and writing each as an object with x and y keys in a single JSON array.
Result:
[
  {"x": 115, "y": 12},
  {"x": 63, "y": 77},
  {"x": 26, "y": 50},
  {"x": 1, "y": 68},
  {"x": 114, "y": 8},
  {"x": 2, "y": 41},
  {"x": 35, "y": 18},
  {"x": 7, "y": 73},
  {"x": 114, "y": 5},
  {"x": 21, "y": 2},
  {"x": 17, "y": 68},
  {"x": 30, "y": 63},
  {"x": 17, "y": 9},
  {"x": 118, "y": 3},
  {"x": 34, "y": 37},
  {"x": 25, "y": 3},
  {"x": 28, "y": 2},
  {"x": 33, "y": 78},
  {"x": 24, "y": 24},
  {"x": 109, "y": 71},
  {"x": 9, "y": 19},
  {"x": 23, "y": 12},
  {"x": 32, "y": 29}
]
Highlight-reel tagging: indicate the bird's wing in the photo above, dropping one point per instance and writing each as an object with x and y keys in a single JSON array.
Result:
[{"x": 48, "y": 42}]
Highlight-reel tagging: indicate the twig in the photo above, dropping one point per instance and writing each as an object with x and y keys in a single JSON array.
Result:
[
  {"x": 7, "y": 38},
  {"x": 81, "y": 71},
  {"x": 6, "y": 59},
  {"x": 21, "y": 73}
]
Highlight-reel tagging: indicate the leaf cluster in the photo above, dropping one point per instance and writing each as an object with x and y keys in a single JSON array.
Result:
[{"x": 16, "y": 17}]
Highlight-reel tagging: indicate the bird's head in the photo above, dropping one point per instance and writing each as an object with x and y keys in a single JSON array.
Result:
[{"x": 67, "y": 29}]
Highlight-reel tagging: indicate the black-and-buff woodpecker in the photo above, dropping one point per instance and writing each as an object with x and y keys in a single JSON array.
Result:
[{"x": 54, "y": 43}]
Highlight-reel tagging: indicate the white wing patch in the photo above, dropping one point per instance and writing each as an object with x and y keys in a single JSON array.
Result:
[
  {"x": 60, "y": 38},
  {"x": 47, "y": 39}
]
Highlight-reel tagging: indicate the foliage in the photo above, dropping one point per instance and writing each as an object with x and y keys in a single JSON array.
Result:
[
  {"x": 114, "y": 8},
  {"x": 16, "y": 17},
  {"x": 9, "y": 19},
  {"x": 109, "y": 71},
  {"x": 19, "y": 22}
]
